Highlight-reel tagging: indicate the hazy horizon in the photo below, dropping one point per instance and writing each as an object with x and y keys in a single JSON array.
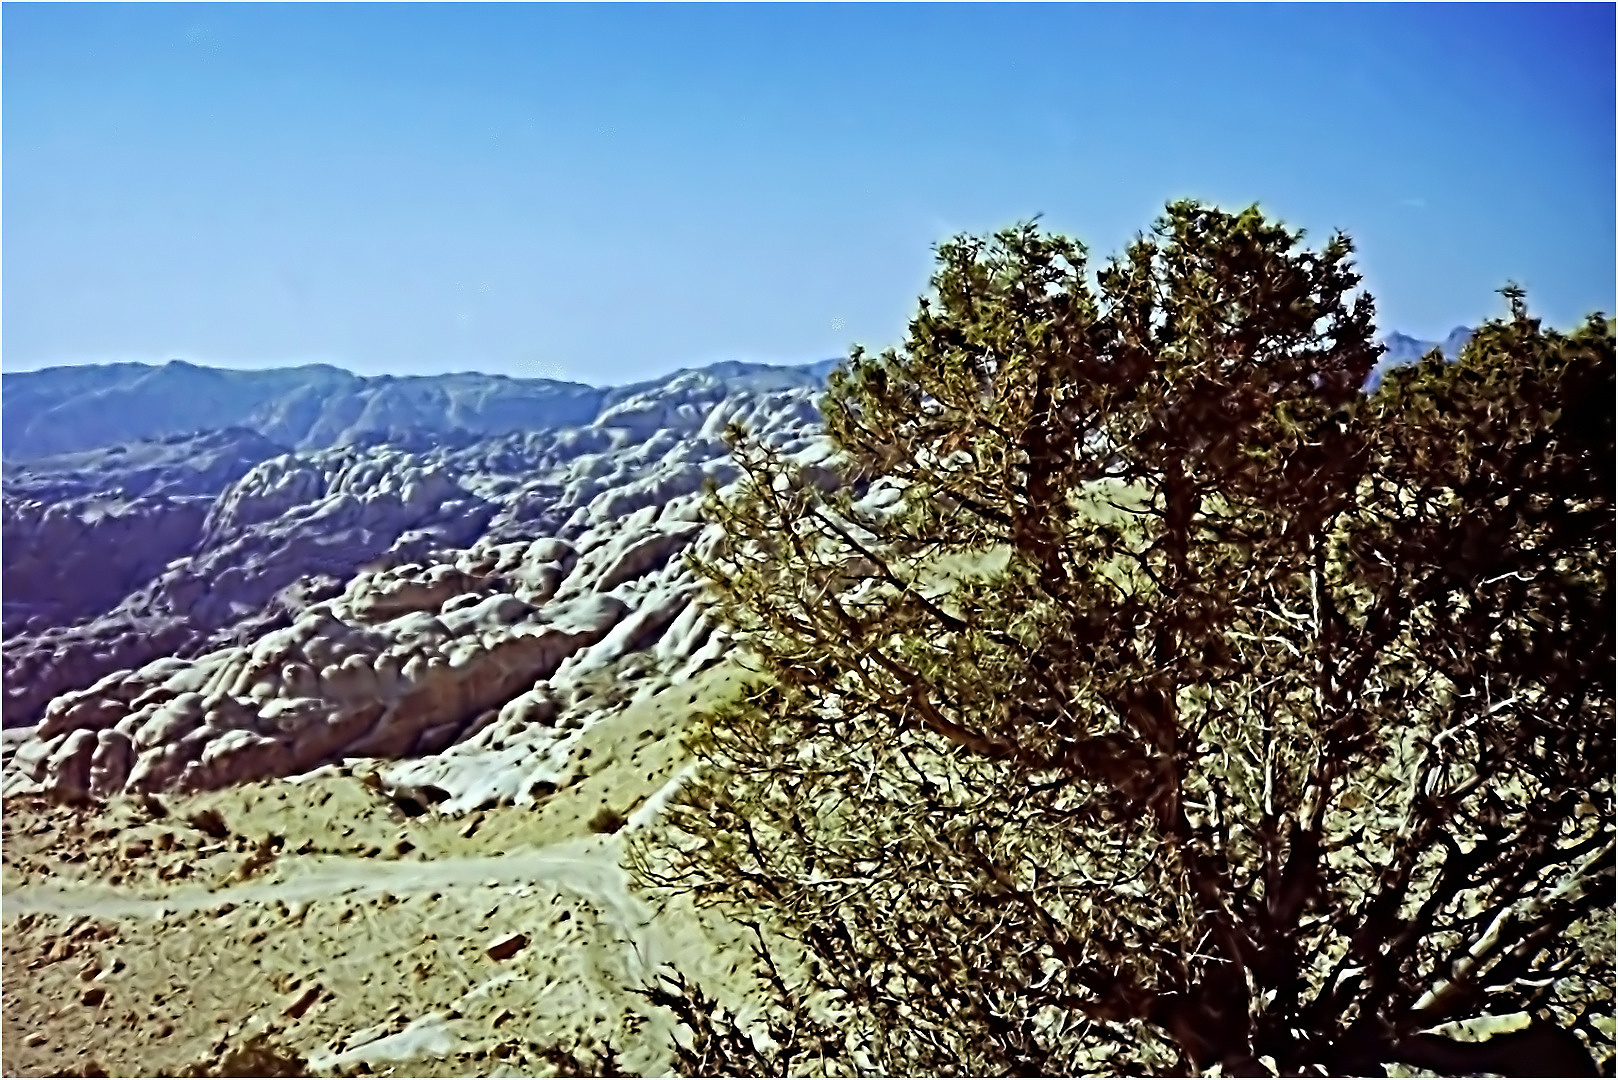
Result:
[{"x": 604, "y": 194}]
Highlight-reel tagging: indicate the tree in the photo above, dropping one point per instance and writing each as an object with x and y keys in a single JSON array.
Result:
[{"x": 1149, "y": 698}]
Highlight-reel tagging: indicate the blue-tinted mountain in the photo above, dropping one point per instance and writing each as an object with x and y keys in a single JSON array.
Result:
[
  {"x": 69, "y": 410},
  {"x": 1402, "y": 349}
]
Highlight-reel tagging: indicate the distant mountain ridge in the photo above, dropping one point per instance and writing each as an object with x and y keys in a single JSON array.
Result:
[
  {"x": 1403, "y": 349},
  {"x": 66, "y": 410},
  {"x": 69, "y": 410}
]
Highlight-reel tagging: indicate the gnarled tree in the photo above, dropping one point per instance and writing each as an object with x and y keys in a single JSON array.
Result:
[{"x": 1150, "y": 698}]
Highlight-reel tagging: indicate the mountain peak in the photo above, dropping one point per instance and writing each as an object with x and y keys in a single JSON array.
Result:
[{"x": 1399, "y": 349}]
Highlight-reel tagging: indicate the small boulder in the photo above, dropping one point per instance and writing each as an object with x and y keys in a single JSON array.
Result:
[
  {"x": 506, "y": 947},
  {"x": 211, "y": 822},
  {"x": 302, "y": 1002}
]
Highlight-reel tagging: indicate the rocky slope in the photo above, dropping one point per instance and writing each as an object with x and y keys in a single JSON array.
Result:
[
  {"x": 362, "y": 599},
  {"x": 82, "y": 531},
  {"x": 340, "y": 742}
]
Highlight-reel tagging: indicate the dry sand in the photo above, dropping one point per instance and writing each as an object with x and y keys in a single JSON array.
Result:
[{"x": 358, "y": 935}]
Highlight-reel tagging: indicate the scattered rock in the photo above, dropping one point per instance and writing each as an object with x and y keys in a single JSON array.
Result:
[
  {"x": 606, "y": 820},
  {"x": 302, "y": 1003},
  {"x": 209, "y": 821},
  {"x": 506, "y": 947}
]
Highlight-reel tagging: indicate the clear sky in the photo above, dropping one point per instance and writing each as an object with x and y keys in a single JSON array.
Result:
[{"x": 610, "y": 192}]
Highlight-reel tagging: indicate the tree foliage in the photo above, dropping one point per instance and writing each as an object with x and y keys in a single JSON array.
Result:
[{"x": 1142, "y": 696}]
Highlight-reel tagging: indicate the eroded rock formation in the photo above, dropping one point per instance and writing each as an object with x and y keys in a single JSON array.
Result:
[{"x": 446, "y": 605}]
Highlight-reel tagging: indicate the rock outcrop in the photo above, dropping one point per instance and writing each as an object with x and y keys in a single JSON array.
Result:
[
  {"x": 458, "y": 607},
  {"x": 287, "y": 520},
  {"x": 83, "y": 531}
]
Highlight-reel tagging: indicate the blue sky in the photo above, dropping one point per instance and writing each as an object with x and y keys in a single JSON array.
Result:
[{"x": 609, "y": 192}]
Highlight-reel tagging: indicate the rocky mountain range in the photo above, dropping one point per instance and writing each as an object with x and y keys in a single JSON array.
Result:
[
  {"x": 196, "y": 607},
  {"x": 65, "y": 410}
]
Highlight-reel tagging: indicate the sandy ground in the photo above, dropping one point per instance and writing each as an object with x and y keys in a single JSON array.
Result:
[{"x": 145, "y": 936}]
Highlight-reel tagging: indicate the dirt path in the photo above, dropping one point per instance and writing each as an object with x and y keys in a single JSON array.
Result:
[
  {"x": 588, "y": 868},
  {"x": 135, "y": 945},
  {"x": 620, "y": 943}
]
